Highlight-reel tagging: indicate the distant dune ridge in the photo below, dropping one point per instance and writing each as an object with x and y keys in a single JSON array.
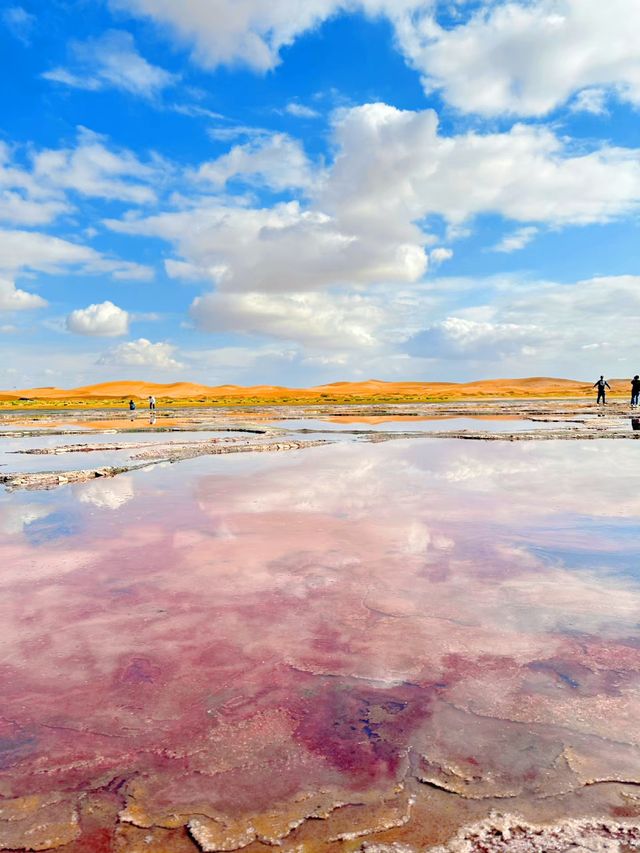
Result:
[{"x": 536, "y": 386}]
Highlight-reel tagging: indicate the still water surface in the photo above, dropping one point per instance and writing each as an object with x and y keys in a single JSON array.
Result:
[{"x": 236, "y": 638}]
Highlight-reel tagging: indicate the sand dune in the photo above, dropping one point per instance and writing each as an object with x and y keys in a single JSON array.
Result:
[{"x": 535, "y": 386}]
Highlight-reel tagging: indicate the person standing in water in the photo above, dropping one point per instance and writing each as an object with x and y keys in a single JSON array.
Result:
[
  {"x": 601, "y": 385},
  {"x": 152, "y": 404},
  {"x": 635, "y": 390}
]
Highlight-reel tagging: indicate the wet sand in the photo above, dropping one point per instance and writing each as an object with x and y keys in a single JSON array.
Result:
[{"x": 396, "y": 645}]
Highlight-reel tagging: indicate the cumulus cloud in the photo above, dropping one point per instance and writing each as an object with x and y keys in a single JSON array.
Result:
[
  {"x": 395, "y": 164},
  {"x": 142, "y": 353},
  {"x": 111, "y": 61},
  {"x": 251, "y": 249},
  {"x": 275, "y": 161},
  {"x": 505, "y": 57},
  {"x": 252, "y": 32},
  {"x": 527, "y": 58},
  {"x": 314, "y": 319},
  {"x": 363, "y": 218},
  {"x": 13, "y": 299},
  {"x": 99, "y": 320}
]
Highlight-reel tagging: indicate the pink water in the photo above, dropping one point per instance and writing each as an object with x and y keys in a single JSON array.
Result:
[{"x": 394, "y": 638}]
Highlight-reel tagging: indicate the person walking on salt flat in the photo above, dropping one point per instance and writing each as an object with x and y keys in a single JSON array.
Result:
[{"x": 602, "y": 385}]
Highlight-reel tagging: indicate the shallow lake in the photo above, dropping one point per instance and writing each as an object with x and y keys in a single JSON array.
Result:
[
  {"x": 393, "y": 639},
  {"x": 13, "y": 455},
  {"x": 415, "y": 424}
]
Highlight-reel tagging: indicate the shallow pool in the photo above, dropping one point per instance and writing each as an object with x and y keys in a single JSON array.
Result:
[
  {"x": 436, "y": 424},
  {"x": 387, "y": 638}
]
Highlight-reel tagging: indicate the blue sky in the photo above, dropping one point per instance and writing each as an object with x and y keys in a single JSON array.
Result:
[{"x": 294, "y": 193}]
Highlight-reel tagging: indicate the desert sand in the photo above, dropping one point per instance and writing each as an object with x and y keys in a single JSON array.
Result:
[{"x": 372, "y": 390}]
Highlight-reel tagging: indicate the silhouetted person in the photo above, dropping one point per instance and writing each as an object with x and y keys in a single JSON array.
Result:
[
  {"x": 132, "y": 406},
  {"x": 635, "y": 423},
  {"x": 635, "y": 390},
  {"x": 601, "y": 385}
]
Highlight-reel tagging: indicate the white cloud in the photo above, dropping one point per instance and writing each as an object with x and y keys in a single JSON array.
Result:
[
  {"x": 38, "y": 192},
  {"x": 315, "y": 319},
  {"x": 440, "y": 254},
  {"x": 301, "y": 110},
  {"x": 252, "y": 249},
  {"x": 363, "y": 220},
  {"x": 184, "y": 271},
  {"x": 12, "y": 299},
  {"x": 141, "y": 353},
  {"x": 195, "y": 111},
  {"x": 540, "y": 328},
  {"x": 230, "y": 132},
  {"x": 253, "y": 31},
  {"x": 457, "y": 337},
  {"x": 592, "y": 101},
  {"x": 504, "y": 57},
  {"x": 112, "y": 61},
  {"x": 227, "y": 362},
  {"x": 108, "y": 494},
  {"x": 18, "y": 210},
  {"x": 394, "y": 166},
  {"x": 224, "y": 31},
  {"x": 527, "y": 58},
  {"x": 99, "y": 320},
  {"x": 92, "y": 169},
  {"x": 75, "y": 81},
  {"x": 516, "y": 240},
  {"x": 275, "y": 161},
  {"x": 14, "y": 518},
  {"x": 31, "y": 250},
  {"x": 19, "y": 22}
]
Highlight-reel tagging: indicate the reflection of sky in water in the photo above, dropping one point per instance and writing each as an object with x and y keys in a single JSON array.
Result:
[
  {"x": 54, "y": 525},
  {"x": 606, "y": 546},
  {"x": 441, "y": 424},
  {"x": 470, "y": 604},
  {"x": 11, "y": 459}
]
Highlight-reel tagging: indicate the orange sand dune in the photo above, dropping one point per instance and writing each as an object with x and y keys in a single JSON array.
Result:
[
  {"x": 536, "y": 386},
  {"x": 140, "y": 389}
]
